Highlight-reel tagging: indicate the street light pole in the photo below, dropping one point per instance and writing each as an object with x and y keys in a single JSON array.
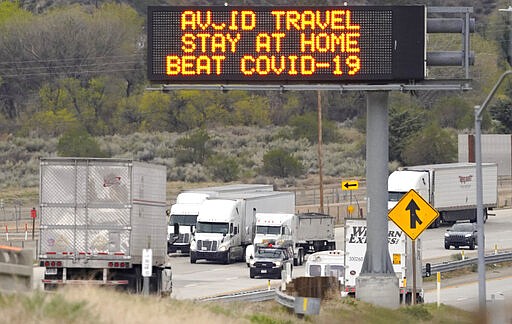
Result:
[
  {"x": 479, "y": 195},
  {"x": 509, "y": 49}
]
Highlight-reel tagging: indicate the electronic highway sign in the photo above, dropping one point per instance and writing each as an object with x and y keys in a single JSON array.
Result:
[{"x": 320, "y": 44}]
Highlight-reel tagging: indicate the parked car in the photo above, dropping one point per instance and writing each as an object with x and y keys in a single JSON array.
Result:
[
  {"x": 461, "y": 234},
  {"x": 269, "y": 261}
]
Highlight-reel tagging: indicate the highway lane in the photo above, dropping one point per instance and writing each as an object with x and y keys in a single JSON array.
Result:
[{"x": 464, "y": 295}]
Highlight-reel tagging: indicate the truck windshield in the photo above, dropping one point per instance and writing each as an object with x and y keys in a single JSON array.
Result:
[
  {"x": 183, "y": 220},
  {"x": 274, "y": 230},
  {"x": 206, "y": 227},
  {"x": 395, "y": 195}
]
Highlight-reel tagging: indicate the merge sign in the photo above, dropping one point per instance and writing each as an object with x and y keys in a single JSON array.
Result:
[
  {"x": 286, "y": 44},
  {"x": 413, "y": 214}
]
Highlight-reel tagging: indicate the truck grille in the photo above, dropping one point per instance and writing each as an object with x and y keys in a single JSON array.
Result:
[{"x": 206, "y": 245}]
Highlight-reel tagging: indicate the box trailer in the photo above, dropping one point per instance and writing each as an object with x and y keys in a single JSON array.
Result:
[
  {"x": 400, "y": 251},
  {"x": 98, "y": 217},
  {"x": 450, "y": 188}
]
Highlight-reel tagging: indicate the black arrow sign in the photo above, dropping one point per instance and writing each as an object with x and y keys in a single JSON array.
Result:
[
  {"x": 348, "y": 185},
  {"x": 412, "y": 207}
]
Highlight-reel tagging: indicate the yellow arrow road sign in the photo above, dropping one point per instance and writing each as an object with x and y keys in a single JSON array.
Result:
[
  {"x": 413, "y": 214},
  {"x": 349, "y": 185}
]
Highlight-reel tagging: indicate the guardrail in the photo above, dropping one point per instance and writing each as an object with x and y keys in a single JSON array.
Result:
[
  {"x": 16, "y": 267},
  {"x": 254, "y": 296},
  {"x": 456, "y": 265}
]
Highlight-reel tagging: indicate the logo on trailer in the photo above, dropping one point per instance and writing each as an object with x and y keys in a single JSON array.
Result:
[{"x": 111, "y": 180}]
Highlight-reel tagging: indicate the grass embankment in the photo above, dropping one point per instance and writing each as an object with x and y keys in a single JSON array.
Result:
[{"x": 97, "y": 306}]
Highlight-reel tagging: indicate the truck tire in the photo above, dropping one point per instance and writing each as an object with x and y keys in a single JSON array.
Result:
[
  {"x": 192, "y": 257},
  {"x": 228, "y": 257},
  {"x": 251, "y": 274},
  {"x": 301, "y": 257},
  {"x": 447, "y": 246}
]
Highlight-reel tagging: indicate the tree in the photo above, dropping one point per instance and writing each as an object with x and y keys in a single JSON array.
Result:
[
  {"x": 404, "y": 122},
  {"x": 78, "y": 143},
  {"x": 502, "y": 112},
  {"x": 454, "y": 112},
  {"x": 192, "y": 148},
  {"x": 280, "y": 163},
  {"x": 306, "y": 126},
  {"x": 223, "y": 167},
  {"x": 430, "y": 146}
]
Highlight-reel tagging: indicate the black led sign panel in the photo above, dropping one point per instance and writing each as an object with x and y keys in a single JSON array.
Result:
[{"x": 352, "y": 44}]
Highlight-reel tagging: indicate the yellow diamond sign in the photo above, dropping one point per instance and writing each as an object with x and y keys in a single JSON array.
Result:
[{"x": 413, "y": 214}]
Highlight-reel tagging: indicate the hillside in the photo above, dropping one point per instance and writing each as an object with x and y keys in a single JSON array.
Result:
[{"x": 79, "y": 89}]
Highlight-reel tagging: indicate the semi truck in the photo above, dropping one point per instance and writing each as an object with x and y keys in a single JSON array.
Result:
[
  {"x": 103, "y": 222},
  {"x": 450, "y": 188},
  {"x": 226, "y": 225},
  {"x": 305, "y": 232},
  {"x": 183, "y": 214},
  {"x": 400, "y": 251}
]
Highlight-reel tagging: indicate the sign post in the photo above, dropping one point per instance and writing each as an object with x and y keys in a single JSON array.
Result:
[
  {"x": 147, "y": 261},
  {"x": 33, "y": 214},
  {"x": 350, "y": 185},
  {"x": 413, "y": 215}
]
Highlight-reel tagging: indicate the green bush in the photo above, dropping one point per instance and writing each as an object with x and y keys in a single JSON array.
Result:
[
  {"x": 192, "y": 148},
  {"x": 79, "y": 143},
  {"x": 223, "y": 167},
  {"x": 280, "y": 163}
]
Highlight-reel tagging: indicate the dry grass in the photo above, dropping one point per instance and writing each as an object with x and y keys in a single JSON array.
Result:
[{"x": 92, "y": 305}]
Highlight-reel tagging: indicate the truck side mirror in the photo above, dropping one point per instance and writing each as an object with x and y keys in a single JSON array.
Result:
[{"x": 428, "y": 270}]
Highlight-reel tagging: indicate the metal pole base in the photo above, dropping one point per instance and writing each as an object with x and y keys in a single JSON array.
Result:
[{"x": 380, "y": 290}]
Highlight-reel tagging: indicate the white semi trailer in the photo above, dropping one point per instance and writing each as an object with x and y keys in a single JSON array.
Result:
[
  {"x": 305, "y": 232},
  {"x": 183, "y": 214},
  {"x": 400, "y": 251},
  {"x": 226, "y": 225},
  {"x": 97, "y": 217},
  {"x": 450, "y": 188}
]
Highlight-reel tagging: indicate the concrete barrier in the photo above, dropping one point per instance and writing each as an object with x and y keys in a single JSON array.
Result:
[{"x": 16, "y": 268}]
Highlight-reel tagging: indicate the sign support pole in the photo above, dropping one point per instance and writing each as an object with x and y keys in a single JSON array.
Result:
[{"x": 413, "y": 255}]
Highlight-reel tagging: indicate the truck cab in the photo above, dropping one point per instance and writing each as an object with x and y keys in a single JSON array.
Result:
[
  {"x": 401, "y": 181},
  {"x": 217, "y": 231},
  {"x": 182, "y": 220}
]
